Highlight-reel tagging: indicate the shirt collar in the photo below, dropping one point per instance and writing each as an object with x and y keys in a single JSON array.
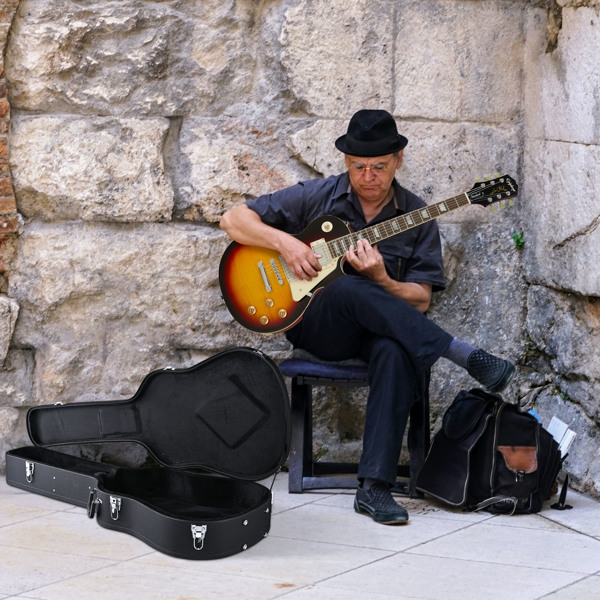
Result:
[{"x": 398, "y": 199}]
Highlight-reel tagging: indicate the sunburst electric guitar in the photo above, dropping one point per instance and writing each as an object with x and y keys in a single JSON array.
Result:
[{"x": 264, "y": 296}]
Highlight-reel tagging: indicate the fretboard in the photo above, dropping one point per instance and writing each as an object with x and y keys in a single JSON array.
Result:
[{"x": 381, "y": 231}]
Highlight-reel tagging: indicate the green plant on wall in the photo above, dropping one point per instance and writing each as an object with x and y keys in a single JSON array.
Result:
[{"x": 518, "y": 239}]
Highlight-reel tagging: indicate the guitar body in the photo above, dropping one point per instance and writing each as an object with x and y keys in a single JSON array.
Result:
[{"x": 258, "y": 291}]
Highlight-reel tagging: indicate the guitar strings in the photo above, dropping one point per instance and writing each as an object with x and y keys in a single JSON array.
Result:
[{"x": 397, "y": 225}]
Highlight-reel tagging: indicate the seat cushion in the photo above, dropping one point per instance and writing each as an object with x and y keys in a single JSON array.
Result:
[{"x": 306, "y": 364}]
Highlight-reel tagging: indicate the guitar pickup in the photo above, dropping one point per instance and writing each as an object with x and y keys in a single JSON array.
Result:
[
  {"x": 263, "y": 274},
  {"x": 320, "y": 247}
]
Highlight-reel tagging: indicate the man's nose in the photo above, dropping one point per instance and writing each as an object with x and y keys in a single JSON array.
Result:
[{"x": 369, "y": 175}]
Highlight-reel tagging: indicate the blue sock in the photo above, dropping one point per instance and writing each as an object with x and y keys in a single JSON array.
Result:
[{"x": 458, "y": 352}]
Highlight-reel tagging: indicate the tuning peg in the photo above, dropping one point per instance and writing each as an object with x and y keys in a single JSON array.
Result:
[
  {"x": 487, "y": 177},
  {"x": 496, "y": 175},
  {"x": 501, "y": 205},
  {"x": 511, "y": 202},
  {"x": 493, "y": 208},
  {"x": 478, "y": 180}
]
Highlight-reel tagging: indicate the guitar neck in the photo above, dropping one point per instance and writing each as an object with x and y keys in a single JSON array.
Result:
[{"x": 381, "y": 231}]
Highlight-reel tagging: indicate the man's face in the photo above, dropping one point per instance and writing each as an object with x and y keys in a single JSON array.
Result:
[{"x": 372, "y": 177}]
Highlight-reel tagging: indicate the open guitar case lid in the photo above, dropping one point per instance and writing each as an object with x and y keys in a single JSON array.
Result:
[{"x": 215, "y": 430}]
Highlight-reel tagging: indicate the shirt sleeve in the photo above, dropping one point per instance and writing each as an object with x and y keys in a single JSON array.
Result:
[{"x": 282, "y": 209}]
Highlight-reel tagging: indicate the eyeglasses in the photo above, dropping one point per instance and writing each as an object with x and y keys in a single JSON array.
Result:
[{"x": 376, "y": 168}]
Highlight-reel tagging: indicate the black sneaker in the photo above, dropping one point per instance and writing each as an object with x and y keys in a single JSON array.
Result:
[
  {"x": 377, "y": 502},
  {"x": 492, "y": 372}
]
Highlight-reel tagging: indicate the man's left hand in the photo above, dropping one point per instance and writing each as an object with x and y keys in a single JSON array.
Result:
[{"x": 367, "y": 260}]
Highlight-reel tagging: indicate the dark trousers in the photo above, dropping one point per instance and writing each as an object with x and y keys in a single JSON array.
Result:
[{"x": 355, "y": 317}]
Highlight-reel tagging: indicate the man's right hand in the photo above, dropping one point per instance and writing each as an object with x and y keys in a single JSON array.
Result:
[{"x": 300, "y": 258}]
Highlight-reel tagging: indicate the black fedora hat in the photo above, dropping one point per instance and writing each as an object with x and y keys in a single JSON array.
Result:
[{"x": 371, "y": 133}]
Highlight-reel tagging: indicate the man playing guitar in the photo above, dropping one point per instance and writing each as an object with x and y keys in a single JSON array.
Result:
[{"x": 376, "y": 311}]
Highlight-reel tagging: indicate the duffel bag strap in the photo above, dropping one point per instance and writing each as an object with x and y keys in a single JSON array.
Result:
[
  {"x": 561, "y": 504},
  {"x": 496, "y": 500}
]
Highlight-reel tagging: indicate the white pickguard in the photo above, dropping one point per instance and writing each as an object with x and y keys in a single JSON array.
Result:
[{"x": 301, "y": 288}]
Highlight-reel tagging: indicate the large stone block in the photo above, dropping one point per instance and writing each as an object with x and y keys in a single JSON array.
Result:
[
  {"x": 93, "y": 169},
  {"x": 338, "y": 56},
  {"x": 566, "y": 329},
  {"x": 446, "y": 159},
  {"x": 458, "y": 61},
  {"x": 102, "y": 306},
  {"x": 130, "y": 57},
  {"x": 230, "y": 159},
  {"x": 562, "y": 237},
  {"x": 570, "y": 77}
]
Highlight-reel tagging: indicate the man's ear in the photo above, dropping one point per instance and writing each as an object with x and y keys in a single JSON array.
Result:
[{"x": 400, "y": 155}]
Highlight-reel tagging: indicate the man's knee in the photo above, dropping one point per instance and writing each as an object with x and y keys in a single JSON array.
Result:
[{"x": 388, "y": 356}]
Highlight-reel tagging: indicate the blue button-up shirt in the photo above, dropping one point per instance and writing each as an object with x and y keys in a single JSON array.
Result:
[{"x": 414, "y": 255}]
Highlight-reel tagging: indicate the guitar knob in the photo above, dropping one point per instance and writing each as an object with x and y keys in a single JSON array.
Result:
[
  {"x": 282, "y": 313},
  {"x": 252, "y": 310},
  {"x": 264, "y": 320},
  {"x": 269, "y": 302}
]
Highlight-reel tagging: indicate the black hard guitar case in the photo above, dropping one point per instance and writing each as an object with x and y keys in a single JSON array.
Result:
[{"x": 214, "y": 429}]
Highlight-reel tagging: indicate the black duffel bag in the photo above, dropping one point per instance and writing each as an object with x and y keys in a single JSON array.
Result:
[{"x": 489, "y": 454}]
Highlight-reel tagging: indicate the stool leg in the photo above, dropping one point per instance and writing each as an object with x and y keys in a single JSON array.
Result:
[
  {"x": 300, "y": 457},
  {"x": 418, "y": 435}
]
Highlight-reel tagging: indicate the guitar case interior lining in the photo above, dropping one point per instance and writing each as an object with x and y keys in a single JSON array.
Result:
[{"x": 215, "y": 429}]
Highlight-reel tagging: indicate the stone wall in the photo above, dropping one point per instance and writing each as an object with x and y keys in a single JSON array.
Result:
[
  {"x": 135, "y": 124},
  {"x": 561, "y": 209}
]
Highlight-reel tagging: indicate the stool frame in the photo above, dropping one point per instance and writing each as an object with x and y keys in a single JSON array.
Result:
[{"x": 307, "y": 474}]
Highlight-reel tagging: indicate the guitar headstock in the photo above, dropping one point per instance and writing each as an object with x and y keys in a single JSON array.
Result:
[{"x": 500, "y": 189}]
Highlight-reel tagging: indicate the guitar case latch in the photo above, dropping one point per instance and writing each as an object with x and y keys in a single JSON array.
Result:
[
  {"x": 115, "y": 507},
  {"x": 198, "y": 535}
]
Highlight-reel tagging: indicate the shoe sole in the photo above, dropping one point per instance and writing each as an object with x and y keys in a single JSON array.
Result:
[{"x": 365, "y": 511}]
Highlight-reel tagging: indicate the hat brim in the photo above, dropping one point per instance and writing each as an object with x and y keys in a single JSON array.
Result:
[{"x": 349, "y": 145}]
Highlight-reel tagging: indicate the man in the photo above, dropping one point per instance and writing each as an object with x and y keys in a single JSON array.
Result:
[{"x": 376, "y": 311}]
